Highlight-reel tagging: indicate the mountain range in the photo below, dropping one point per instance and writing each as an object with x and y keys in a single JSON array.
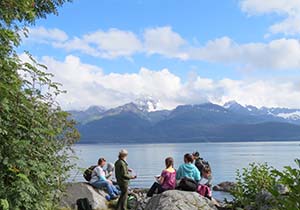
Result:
[{"x": 140, "y": 122}]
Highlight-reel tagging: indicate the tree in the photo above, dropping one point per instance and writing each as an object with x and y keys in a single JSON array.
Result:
[{"x": 35, "y": 134}]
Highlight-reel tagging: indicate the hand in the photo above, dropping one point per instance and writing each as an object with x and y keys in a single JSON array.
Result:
[
  {"x": 109, "y": 181},
  {"x": 134, "y": 177}
]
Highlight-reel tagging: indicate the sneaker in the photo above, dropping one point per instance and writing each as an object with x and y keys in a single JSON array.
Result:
[
  {"x": 113, "y": 198},
  {"x": 107, "y": 197}
]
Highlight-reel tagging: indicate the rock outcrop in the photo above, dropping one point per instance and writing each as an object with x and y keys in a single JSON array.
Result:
[
  {"x": 75, "y": 191},
  {"x": 178, "y": 200},
  {"x": 224, "y": 186}
]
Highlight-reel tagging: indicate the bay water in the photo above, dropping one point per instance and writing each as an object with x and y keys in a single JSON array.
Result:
[{"x": 147, "y": 160}]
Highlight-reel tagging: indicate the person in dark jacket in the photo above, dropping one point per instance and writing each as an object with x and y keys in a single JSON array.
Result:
[
  {"x": 123, "y": 177},
  {"x": 204, "y": 168}
]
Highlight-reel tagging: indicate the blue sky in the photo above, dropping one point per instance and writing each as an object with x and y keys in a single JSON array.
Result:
[{"x": 212, "y": 50}]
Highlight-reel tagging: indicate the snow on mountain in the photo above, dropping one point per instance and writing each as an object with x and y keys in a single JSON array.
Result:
[
  {"x": 290, "y": 116},
  {"x": 147, "y": 104}
]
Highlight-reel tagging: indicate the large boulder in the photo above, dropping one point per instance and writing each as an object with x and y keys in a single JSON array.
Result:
[
  {"x": 178, "y": 200},
  {"x": 224, "y": 187},
  {"x": 75, "y": 191}
]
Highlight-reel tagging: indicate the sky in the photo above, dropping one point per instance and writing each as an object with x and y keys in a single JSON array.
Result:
[{"x": 111, "y": 52}]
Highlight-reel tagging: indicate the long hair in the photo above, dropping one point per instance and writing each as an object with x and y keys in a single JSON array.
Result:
[{"x": 169, "y": 162}]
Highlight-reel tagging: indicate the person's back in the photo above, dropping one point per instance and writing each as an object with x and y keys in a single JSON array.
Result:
[
  {"x": 121, "y": 172},
  {"x": 167, "y": 179},
  {"x": 169, "y": 182},
  {"x": 199, "y": 163},
  {"x": 188, "y": 170},
  {"x": 204, "y": 168}
]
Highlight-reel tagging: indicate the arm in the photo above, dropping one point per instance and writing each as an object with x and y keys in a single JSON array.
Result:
[
  {"x": 197, "y": 176},
  {"x": 178, "y": 173},
  {"x": 124, "y": 172},
  {"x": 99, "y": 174},
  {"x": 108, "y": 175},
  {"x": 161, "y": 179}
]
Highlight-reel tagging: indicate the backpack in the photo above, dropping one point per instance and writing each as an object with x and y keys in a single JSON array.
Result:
[
  {"x": 187, "y": 184},
  {"x": 200, "y": 164},
  {"x": 88, "y": 173},
  {"x": 204, "y": 190},
  {"x": 83, "y": 204}
]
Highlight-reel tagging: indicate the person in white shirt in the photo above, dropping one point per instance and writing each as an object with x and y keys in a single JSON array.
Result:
[{"x": 100, "y": 181}]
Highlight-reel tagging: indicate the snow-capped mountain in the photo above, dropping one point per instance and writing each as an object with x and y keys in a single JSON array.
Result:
[
  {"x": 147, "y": 108},
  {"x": 146, "y": 104},
  {"x": 139, "y": 121},
  {"x": 290, "y": 116},
  {"x": 285, "y": 114}
]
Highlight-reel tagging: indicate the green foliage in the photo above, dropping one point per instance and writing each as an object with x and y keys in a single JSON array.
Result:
[
  {"x": 35, "y": 134},
  {"x": 250, "y": 182},
  {"x": 4, "y": 204},
  {"x": 290, "y": 178},
  {"x": 259, "y": 186}
]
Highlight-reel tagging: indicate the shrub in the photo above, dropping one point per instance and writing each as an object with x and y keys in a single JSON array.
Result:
[
  {"x": 251, "y": 181},
  {"x": 262, "y": 187},
  {"x": 290, "y": 179},
  {"x": 35, "y": 134}
]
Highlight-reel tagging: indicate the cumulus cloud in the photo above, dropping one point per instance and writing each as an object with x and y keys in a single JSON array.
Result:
[
  {"x": 87, "y": 85},
  {"x": 164, "y": 41},
  {"x": 288, "y": 9},
  {"x": 277, "y": 54},
  {"x": 44, "y": 35},
  {"x": 105, "y": 44}
]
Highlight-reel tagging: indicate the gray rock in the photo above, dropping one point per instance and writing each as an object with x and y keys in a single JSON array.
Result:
[
  {"x": 75, "y": 191},
  {"x": 179, "y": 200},
  {"x": 282, "y": 189},
  {"x": 224, "y": 186},
  {"x": 264, "y": 200}
]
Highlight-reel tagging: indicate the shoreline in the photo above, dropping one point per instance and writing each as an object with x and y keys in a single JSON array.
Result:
[{"x": 188, "y": 142}]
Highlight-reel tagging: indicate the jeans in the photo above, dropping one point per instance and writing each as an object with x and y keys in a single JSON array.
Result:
[
  {"x": 154, "y": 187},
  {"x": 111, "y": 189}
]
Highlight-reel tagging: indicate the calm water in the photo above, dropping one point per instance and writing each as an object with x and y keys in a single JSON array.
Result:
[{"x": 147, "y": 160}]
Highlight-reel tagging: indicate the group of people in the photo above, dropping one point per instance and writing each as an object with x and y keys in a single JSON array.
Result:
[
  {"x": 101, "y": 179},
  {"x": 194, "y": 168}
]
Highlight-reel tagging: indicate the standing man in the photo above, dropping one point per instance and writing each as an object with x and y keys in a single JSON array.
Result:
[{"x": 123, "y": 177}]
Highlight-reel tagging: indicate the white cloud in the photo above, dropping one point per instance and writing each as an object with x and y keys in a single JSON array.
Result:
[
  {"x": 277, "y": 54},
  {"x": 164, "y": 41},
  {"x": 270, "y": 93},
  {"x": 288, "y": 9},
  {"x": 104, "y": 44},
  {"x": 114, "y": 42},
  {"x": 44, "y": 35},
  {"x": 87, "y": 85},
  {"x": 77, "y": 44}
]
